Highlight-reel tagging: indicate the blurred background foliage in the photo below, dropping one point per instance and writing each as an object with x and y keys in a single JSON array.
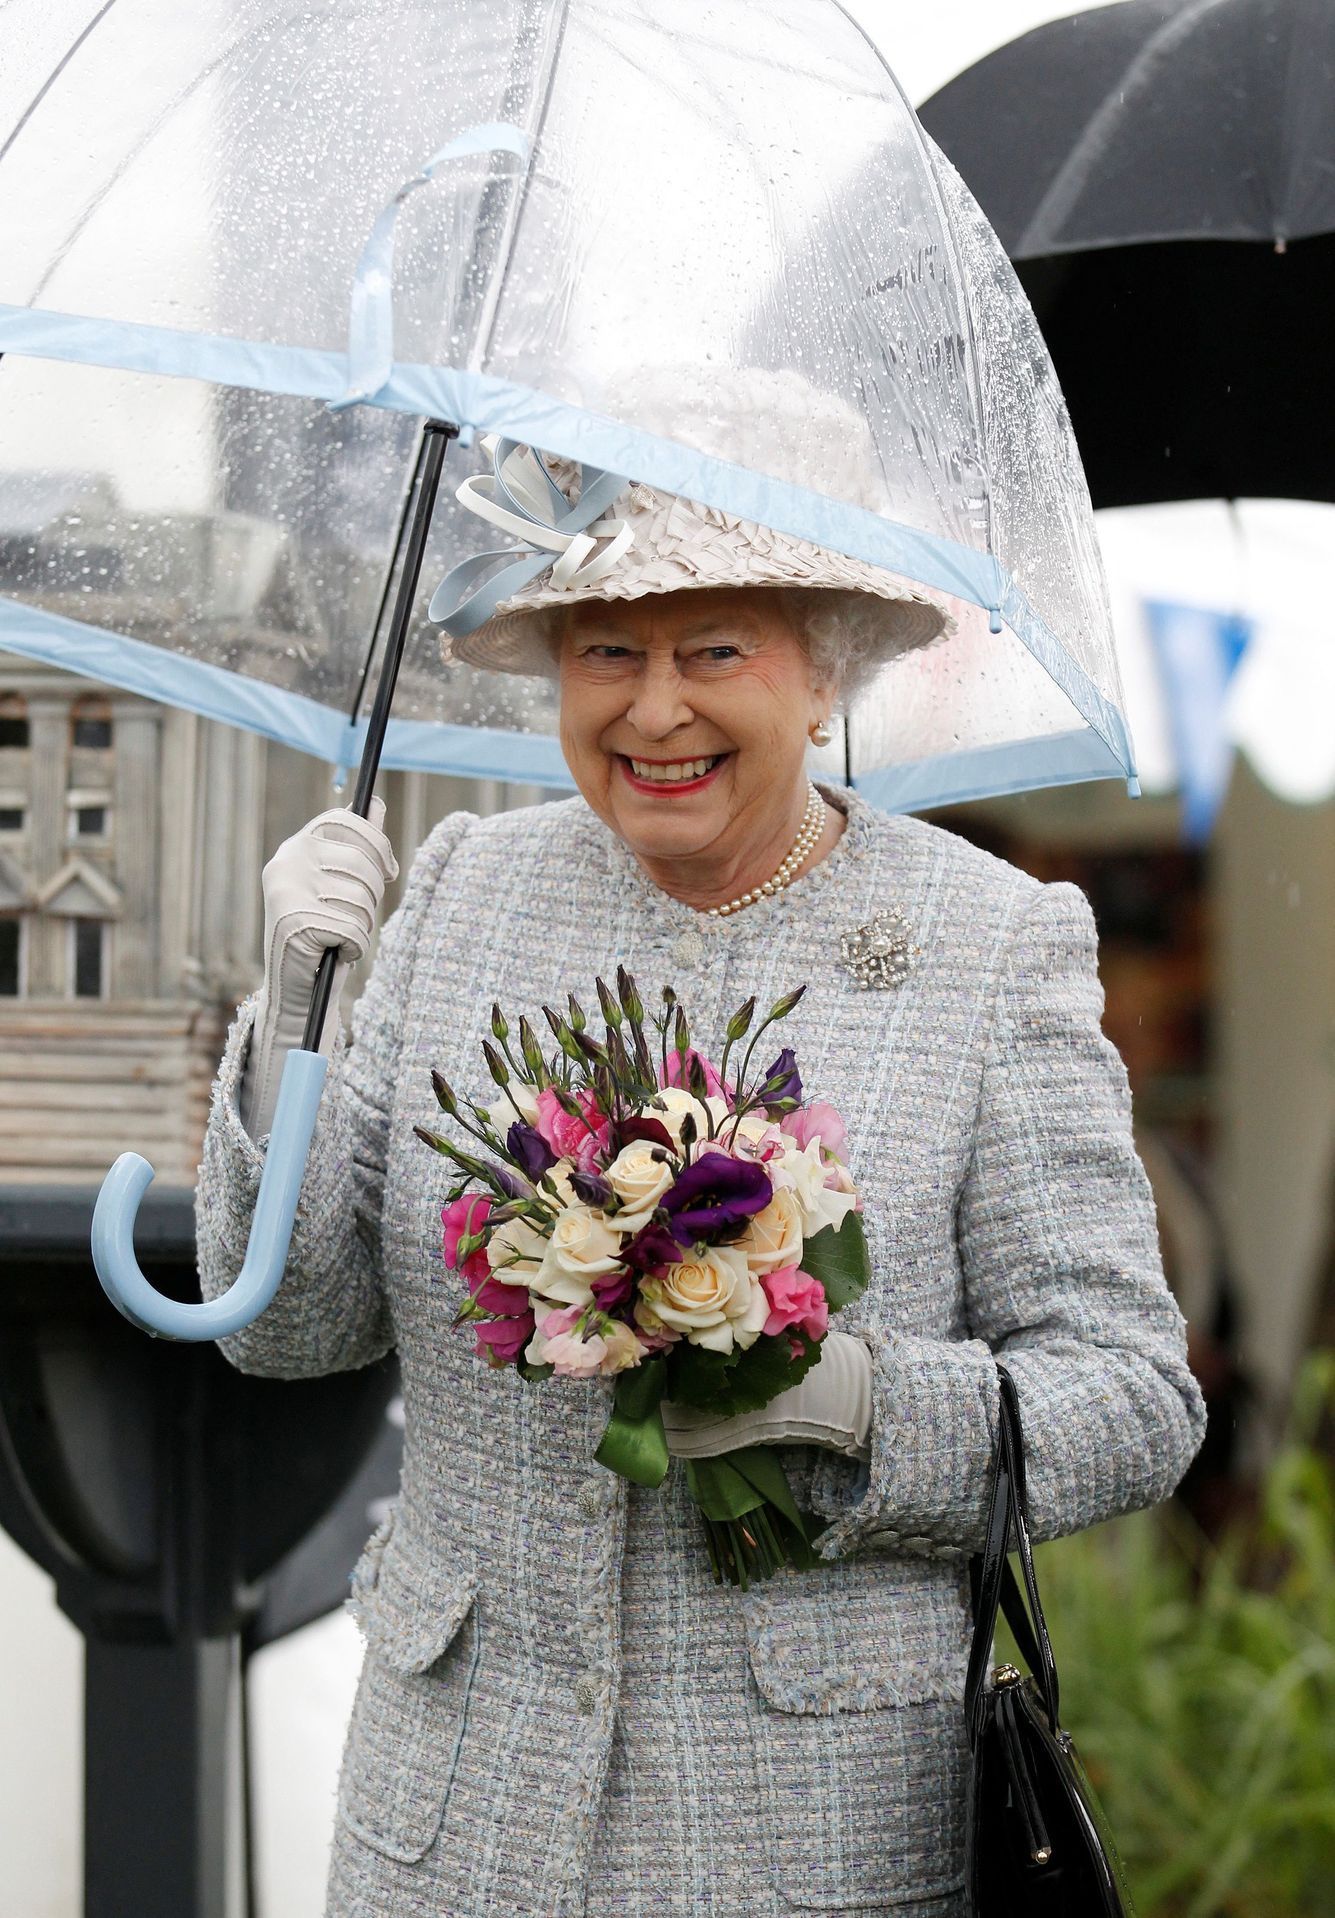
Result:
[{"x": 1198, "y": 1682}]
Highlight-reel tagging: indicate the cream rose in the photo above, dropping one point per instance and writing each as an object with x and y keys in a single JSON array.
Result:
[
  {"x": 515, "y": 1251},
  {"x": 711, "y": 1297},
  {"x": 580, "y": 1249},
  {"x": 639, "y": 1181},
  {"x": 559, "y": 1174},
  {"x": 773, "y": 1238},
  {"x": 676, "y": 1102}
]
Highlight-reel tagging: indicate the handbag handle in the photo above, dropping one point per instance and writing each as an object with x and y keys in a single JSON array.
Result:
[{"x": 990, "y": 1574}]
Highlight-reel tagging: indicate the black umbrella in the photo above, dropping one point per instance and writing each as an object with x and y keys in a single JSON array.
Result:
[{"x": 1162, "y": 172}]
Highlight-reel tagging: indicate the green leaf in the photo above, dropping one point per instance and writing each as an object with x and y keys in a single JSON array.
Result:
[
  {"x": 634, "y": 1444},
  {"x": 736, "y": 1381},
  {"x": 751, "y": 1521},
  {"x": 696, "y": 1376},
  {"x": 839, "y": 1260},
  {"x": 533, "y": 1373},
  {"x": 719, "y": 1489}
]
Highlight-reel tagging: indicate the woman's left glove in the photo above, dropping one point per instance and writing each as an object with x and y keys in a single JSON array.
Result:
[{"x": 831, "y": 1406}]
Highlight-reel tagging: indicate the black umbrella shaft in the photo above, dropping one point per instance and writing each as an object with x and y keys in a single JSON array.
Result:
[{"x": 436, "y": 436}]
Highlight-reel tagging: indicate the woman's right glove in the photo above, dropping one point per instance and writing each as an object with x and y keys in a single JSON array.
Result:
[{"x": 322, "y": 889}]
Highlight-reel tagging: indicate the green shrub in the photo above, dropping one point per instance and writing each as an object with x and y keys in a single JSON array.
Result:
[{"x": 1198, "y": 1682}]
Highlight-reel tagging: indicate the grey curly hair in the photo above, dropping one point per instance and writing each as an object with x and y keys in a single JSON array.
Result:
[{"x": 848, "y": 636}]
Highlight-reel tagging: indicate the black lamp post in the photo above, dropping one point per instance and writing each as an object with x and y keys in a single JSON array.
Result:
[{"x": 189, "y": 1514}]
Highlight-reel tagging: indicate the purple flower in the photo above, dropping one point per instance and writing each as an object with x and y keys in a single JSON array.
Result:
[
  {"x": 613, "y": 1289},
  {"x": 652, "y": 1248},
  {"x": 591, "y": 1187},
  {"x": 529, "y": 1149},
  {"x": 784, "y": 1070},
  {"x": 716, "y": 1191},
  {"x": 652, "y": 1131},
  {"x": 509, "y": 1180}
]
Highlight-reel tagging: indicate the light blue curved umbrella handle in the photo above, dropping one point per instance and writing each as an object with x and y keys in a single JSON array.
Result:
[{"x": 270, "y": 1231}]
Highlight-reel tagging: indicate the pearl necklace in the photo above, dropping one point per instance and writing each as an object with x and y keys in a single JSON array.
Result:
[{"x": 813, "y": 825}]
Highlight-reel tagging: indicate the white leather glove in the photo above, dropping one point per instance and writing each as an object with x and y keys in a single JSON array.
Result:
[
  {"x": 830, "y": 1406},
  {"x": 322, "y": 888}
]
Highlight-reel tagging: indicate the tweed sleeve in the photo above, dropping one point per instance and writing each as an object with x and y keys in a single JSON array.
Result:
[
  {"x": 331, "y": 1312},
  {"x": 1063, "y": 1282}
]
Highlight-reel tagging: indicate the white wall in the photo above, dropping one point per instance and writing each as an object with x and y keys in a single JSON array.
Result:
[{"x": 41, "y": 1746}]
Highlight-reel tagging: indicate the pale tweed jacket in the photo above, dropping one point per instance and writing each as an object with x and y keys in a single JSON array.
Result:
[{"x": 559, "y": 1714}]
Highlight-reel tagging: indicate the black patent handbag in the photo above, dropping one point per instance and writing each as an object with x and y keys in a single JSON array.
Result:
[{"x": 1037, "y": 1842}]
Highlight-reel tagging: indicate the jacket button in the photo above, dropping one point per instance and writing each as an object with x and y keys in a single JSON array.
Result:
[
  {"x": 592, "y": 1498},
  {"x": 586, "y": 1693}
]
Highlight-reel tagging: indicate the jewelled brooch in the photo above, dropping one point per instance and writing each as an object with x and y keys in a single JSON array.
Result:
[{"x": 879, "y": 954}]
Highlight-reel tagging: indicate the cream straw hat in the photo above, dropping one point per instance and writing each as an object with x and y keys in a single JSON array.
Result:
[{"x": 633, "y": 539}]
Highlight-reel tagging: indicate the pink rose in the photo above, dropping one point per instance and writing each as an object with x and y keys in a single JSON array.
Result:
[
  {"x": 816, "y": 1121},
  {"x": 501, "y": 1341},
  {"x": 568, "y": 1137},
  {"x": 674, "y": 1076},
  {"x": 795, "y": 1298},
  {"x": 591, "y": 1150},
  {"x": 466, "y": 1215}
]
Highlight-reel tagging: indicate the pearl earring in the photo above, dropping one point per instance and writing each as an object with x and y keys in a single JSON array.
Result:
[{"x": 820, "y": 734}]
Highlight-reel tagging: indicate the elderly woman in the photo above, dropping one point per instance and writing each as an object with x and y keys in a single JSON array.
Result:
[{"x": 560, "y": 1714}]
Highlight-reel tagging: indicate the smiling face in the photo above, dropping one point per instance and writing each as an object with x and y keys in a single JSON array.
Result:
[{"x": 684, "y": 721}]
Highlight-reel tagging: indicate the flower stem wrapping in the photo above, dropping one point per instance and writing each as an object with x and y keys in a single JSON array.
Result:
[{"x": 752, "y": 1523}]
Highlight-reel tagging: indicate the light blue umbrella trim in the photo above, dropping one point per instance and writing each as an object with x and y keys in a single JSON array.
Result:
[
  {"x": 479, "y": 403},
  {"x": 476, "y": 752},
  {"x": 371, "y": 321},
  {"x": 197, "y": 685},
  {"x": 485, "y": 752},
  {"x": 290, "y": 719},
  {"x": 990, "y": 772}
]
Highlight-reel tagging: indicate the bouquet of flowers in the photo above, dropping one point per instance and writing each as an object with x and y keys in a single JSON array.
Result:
[{"x": 625, "y": 1207}]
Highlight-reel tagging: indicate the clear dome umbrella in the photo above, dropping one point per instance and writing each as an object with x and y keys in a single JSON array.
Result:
[{"x": 247, "y": 250}]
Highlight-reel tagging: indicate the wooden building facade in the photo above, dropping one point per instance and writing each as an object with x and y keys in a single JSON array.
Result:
[
  {"x": 129, "y": 921},
  {"x": 131, "y": 842}
]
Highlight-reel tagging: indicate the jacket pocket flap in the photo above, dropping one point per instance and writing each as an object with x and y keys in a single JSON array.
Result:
[
  {"x": 407, "y": 1610},
  {"x": 859, "y": 1634}
]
